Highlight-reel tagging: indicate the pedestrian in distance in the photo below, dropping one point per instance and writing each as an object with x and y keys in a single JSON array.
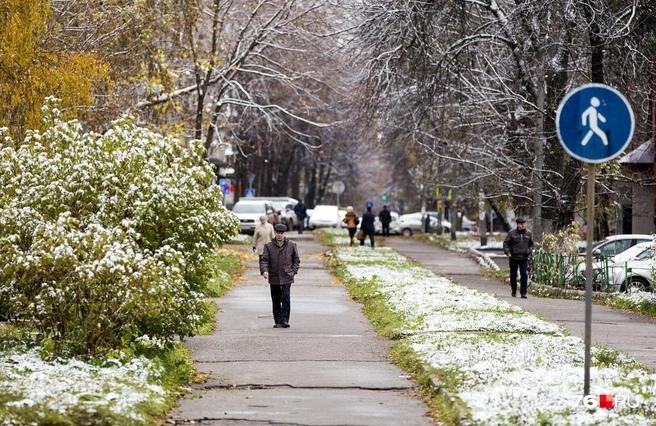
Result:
[
  {"x": 517, "y": 246},
  {"x": 367, "y": 227},
  {"x": 352, "y": 221},
  {"x": 263, "y": 234},
  {"x": 279, "y": 264},
  {"x": 385, "y": 218},
  {"x": 275, "y": 217},
  {"x": 301, "y": 214}
]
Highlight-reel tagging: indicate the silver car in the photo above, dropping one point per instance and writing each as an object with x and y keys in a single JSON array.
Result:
[{"x": 411, "y": 223}]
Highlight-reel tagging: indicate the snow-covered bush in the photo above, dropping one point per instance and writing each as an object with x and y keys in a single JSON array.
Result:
[{"x": 104, "y": 238}]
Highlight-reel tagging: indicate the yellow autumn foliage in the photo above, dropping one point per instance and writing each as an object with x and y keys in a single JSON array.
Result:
[{"x": 29, "y": 73}]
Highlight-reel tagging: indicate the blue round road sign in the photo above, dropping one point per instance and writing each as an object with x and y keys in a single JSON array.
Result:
[{"x": 594, "y": 123}]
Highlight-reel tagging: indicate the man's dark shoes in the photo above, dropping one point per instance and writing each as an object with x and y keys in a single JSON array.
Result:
[
  {"x": 524, "y": 296},
  {"x": 285, "y": 325},
  {"x": 514, "y": 294},
  {"x": 278, "y": 326}
]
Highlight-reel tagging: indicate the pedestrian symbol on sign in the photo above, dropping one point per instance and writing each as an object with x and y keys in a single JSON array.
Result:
[
  {"x": 592, "y": 116},
  {"x": 594, "y": 123}
]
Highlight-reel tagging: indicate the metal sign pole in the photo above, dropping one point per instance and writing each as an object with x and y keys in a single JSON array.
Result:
[
  {"x": 588, "y": 278},
  {"x": 577, "y": 124}
]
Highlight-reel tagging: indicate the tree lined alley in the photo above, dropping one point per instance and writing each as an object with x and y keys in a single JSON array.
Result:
[
  {"x": 128, "y": 129},
  {"x": 476, "y": 85}
]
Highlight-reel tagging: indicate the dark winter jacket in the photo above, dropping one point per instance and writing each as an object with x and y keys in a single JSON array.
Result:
[
  {"x": 300, "y": 210},
  {"x": 368, "y": 223},
  {"x": 518, "y": 244},
  {"x": 281, "y": 263},
  {"x": 385, "y": 217}
]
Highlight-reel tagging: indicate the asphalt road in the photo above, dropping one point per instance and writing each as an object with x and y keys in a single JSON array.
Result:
[
  {"x": 633, "y": 334},
  {"x": 329, "y": 368}
]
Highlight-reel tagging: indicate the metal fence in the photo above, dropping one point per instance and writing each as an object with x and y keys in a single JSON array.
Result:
[{"x": 566, "y": 271}]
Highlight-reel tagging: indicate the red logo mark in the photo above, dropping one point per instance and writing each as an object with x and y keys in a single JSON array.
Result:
[{"x": 606, "y": 401}]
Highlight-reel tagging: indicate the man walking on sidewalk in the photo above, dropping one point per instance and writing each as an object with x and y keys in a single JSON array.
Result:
[
  {"x": 279, "y": 264},
  {"x": 517, "y": 246}
]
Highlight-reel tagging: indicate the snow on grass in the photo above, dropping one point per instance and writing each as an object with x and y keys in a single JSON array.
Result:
[
  {"x": 467, "y": 241},
  {"x": 513, "y": 367},
  {"x": 638, "y": 298},
  {"x": 241, "y": 239},
  {"x": 28, "y": 381}
]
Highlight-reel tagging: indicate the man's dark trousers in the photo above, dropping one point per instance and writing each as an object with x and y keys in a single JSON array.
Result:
[
  {"x": 522, "y": 264},
  {"x": 386, "y": 229},
  {"x": 280, "y": 297}
]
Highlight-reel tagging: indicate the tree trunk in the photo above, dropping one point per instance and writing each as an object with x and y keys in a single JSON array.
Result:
[
  {"x": 558, "y": 209},
  {"x": 597, "y": 76},
  {"x": 311, "y": 177},
  {"x": 295, "y": 181},
  {"x": 539, "y": 155}
]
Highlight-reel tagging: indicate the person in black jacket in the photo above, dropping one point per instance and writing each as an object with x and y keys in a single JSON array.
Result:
[
  {"x": 385, "y": 218},
  {"x": 279, "y": 264},
  {"x": 367, "y": 226},
  {"x": 301, "y": 214},
  {"x": 517, "y": 246}
]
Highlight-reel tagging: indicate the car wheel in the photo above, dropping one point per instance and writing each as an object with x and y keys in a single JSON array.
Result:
[
  {"x": 407, "y": 232},
  {"x": 636, "y": 284}
]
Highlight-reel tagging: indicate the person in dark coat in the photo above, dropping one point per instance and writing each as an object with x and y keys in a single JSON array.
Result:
[
  {"x": 367, "y": 226},
  {"x": 517, "y": 246},
  {"x": 301, "y": 214},
  {"x": 279, "y": 264},
  {"x": 385, "y": 218}
]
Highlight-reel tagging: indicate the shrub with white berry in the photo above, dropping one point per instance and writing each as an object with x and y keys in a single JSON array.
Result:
[{"x": 105, "y": 238}]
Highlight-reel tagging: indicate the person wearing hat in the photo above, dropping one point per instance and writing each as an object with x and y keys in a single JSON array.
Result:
[
  {"x": 517, "y": 246},
  {"x": 279, "y": 264}
]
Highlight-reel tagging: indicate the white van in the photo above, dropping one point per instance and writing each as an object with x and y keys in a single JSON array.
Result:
[{"x": 249, "y": 211}]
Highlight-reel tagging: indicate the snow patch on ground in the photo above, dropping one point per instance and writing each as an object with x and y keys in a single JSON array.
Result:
[
  {"x": 514, "y": 368},
  {"x": 61, "y": 385}
]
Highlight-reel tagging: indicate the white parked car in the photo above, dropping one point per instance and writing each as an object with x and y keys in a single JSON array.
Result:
[
  {"x": 280, "y": 204},
  {"x": 634, "y": 268},
  {"x": 289, "y": 218},
  {"x": 467, "y": 224},
  {"x": 615, "y": 248},
  {"x": 616, "y": 244},
  {"x": 249, "y": 211},
  {"x": 308, "y": 213},
  {"x": 324, "y": 216},
  {"x": 446, "y": 225},
  {"x": 411, "y": 223}
]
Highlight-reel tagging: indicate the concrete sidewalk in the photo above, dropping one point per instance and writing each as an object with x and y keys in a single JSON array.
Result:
[
  {"x": 630, "y": 333},
  {"x": 329, "y": 368}
]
